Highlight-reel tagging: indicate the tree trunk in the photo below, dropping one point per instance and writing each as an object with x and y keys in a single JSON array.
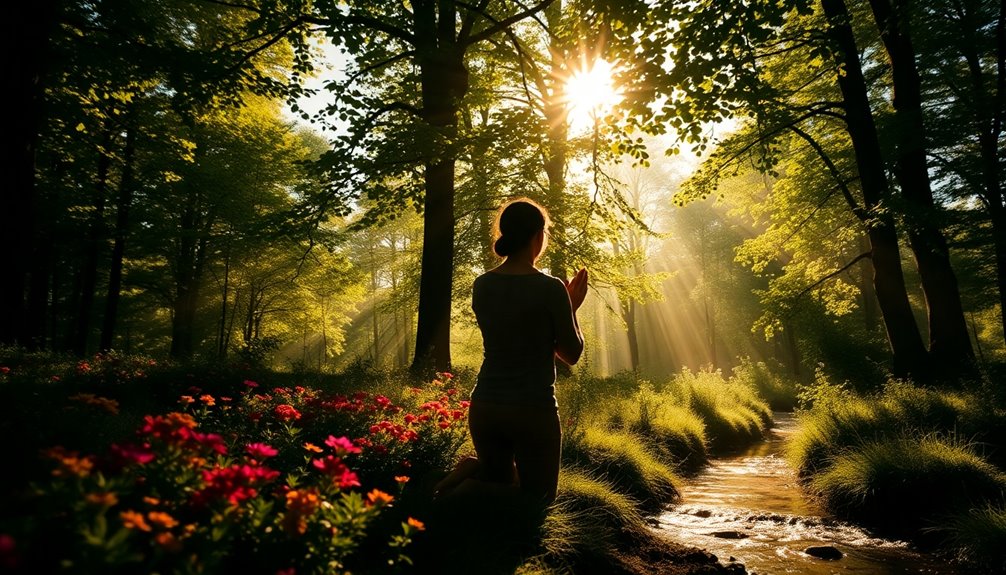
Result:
[
  {"x": 556, "y": 150},
  {"x": 949, "y": 343},
  {"x": 444, "y": 82},
  {"x": 909, "y": 353},
  {"x": 125, "y": 201},
  {"x": 989, "y": 110},
  {"x": 96, "y": 235},
  {"x": 28, "y": 38}
]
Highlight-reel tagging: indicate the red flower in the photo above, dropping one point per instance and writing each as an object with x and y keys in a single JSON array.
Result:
[
  {"x": 250, "y": 383},
  {"x": 132, "y": 454},
  {"x": 286, "y": 412}
]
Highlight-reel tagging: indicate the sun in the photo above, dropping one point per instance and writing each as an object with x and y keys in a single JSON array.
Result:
[{"x": 590, "y": 93}]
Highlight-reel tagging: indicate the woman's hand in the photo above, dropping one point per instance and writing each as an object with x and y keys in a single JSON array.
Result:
[{"x": 577, "y": 288}]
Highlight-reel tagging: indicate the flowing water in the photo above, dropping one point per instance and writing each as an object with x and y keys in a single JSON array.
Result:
[{"x": 749, "y": 507}]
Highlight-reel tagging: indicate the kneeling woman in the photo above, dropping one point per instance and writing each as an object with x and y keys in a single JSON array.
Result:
[{"x": 527, "y": 319}]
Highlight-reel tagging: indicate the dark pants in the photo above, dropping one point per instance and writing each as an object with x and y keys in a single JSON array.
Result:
[{"x": 528, "y": 437}]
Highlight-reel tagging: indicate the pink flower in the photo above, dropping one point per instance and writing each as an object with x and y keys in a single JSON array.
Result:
[
  {"x": 342, "y": 445},
  {"x": 250, "y": 383},
  {"x": 334, "y": 467},
  {"x": 260, "y": 450}
]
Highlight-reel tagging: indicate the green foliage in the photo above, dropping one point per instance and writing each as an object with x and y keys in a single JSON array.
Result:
[
  {"x": 902, "y": 483},
  {"x": 978, "y": 535},
  {"x": 918, "y": 461},
  {"x": 677, "y": 433},
  {"x": 589, "y": 519},
  {"x": 733, "y": 413}
]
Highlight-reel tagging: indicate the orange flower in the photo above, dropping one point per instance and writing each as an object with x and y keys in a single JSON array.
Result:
[
  {"x": 168, "y": 541},
  {"x": 208, "y": 400},
  {"x": 379, "y": 498},
  {"x": 300, "y": 504},
  {"x": 162, "y": 519},
  {"x": 152, "y": 501},
  {"x": 186, "y": 399},
  {"x": 312, "y": 447},
  {"x": 70, "y": 462},
  {"x": 107, "y": 499},
  {"x": 417, "y": 524},
  {"x": 134, "y": 520},
  {"x": 402, "y": 479}
]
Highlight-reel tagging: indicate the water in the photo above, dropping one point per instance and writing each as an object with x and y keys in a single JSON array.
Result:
[{"x": 749, "y": 507}]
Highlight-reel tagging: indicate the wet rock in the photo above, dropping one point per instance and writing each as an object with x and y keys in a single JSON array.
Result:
[
  {"x": 729, "y": 534},
  {"x": 824, "y": 552},
  {"x": 703, "y": 513}
]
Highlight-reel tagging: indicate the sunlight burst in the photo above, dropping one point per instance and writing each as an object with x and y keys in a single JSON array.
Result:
[{"x": 590, "y": 93}]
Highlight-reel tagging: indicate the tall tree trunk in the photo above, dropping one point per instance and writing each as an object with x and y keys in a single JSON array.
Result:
[
  {"x": 989, "y": 110},
  {"x": 556, "y": 148},
  {"x": 909, "y": 353},
  {"x": 96, "y": 236},
  {"x": 444, "y": 81},
  {"x": 28, "y": 39},
  {"x": 125, "y": 200},
  {"x": 188, "y": 272},
  {"x": 949, "y": 343},
  {"x": 224, "y": 296}
]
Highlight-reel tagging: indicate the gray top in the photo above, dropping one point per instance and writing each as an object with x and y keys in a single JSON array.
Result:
[{"x": 522, "y": 317}]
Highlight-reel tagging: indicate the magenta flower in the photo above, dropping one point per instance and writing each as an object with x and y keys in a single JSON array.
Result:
[
  {"x": 260, "y": 450},
  {"x": 342, "y": 445}
]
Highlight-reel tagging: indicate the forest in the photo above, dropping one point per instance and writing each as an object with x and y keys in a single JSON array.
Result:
[{"x": 236, "y": 325}]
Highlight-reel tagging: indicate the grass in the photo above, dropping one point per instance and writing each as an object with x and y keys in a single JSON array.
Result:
[
  {"x": 733, "y": 413},
  {"x": 916, "y": 462},
  {"x": 979, "y": 535},
  {"x": 676, "y": 433},
  {"x": 624, "y": 460}
]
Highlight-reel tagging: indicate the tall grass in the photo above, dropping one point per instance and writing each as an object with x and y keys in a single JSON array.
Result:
[
  {"x": 908, "y": 482},
  {"x": 979, "y": 536},
  {"x": 919, "y": 462},
  {"x": 677, "y": 434},
  {"x": 624, "y": 460},
  {"x": 731, "y": 409}
]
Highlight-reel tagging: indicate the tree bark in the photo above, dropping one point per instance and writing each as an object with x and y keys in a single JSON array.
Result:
[
  {"x": 444, "y": 81},
  {"x": 96, "y": 236},
  {"x": 949, "y": 343},
  {"x": 125, "y": 200},
  {"x": 28, "y": 38},
  {"x": 909, "y": 355}
]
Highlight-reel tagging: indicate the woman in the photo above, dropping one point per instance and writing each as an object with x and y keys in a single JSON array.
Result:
[{"x": 527, "y": 319}]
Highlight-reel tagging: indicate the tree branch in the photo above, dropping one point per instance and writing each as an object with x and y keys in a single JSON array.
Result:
[
  {"x": 499, "y": 25},
  {"x": 857, "y": 210},
  {"x": 841, "y": 270}
]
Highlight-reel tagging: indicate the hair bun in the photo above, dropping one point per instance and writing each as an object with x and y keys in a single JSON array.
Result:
[{"x": 503, "y": 246}]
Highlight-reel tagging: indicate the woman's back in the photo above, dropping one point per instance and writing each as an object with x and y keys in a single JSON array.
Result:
[{"x": 520, "y": 316}]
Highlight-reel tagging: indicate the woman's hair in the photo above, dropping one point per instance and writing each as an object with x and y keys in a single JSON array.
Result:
[{"x": 518, "y": 222}]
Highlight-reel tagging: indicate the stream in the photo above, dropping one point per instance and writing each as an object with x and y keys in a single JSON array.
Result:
[{"x": 749, "y": 508}]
